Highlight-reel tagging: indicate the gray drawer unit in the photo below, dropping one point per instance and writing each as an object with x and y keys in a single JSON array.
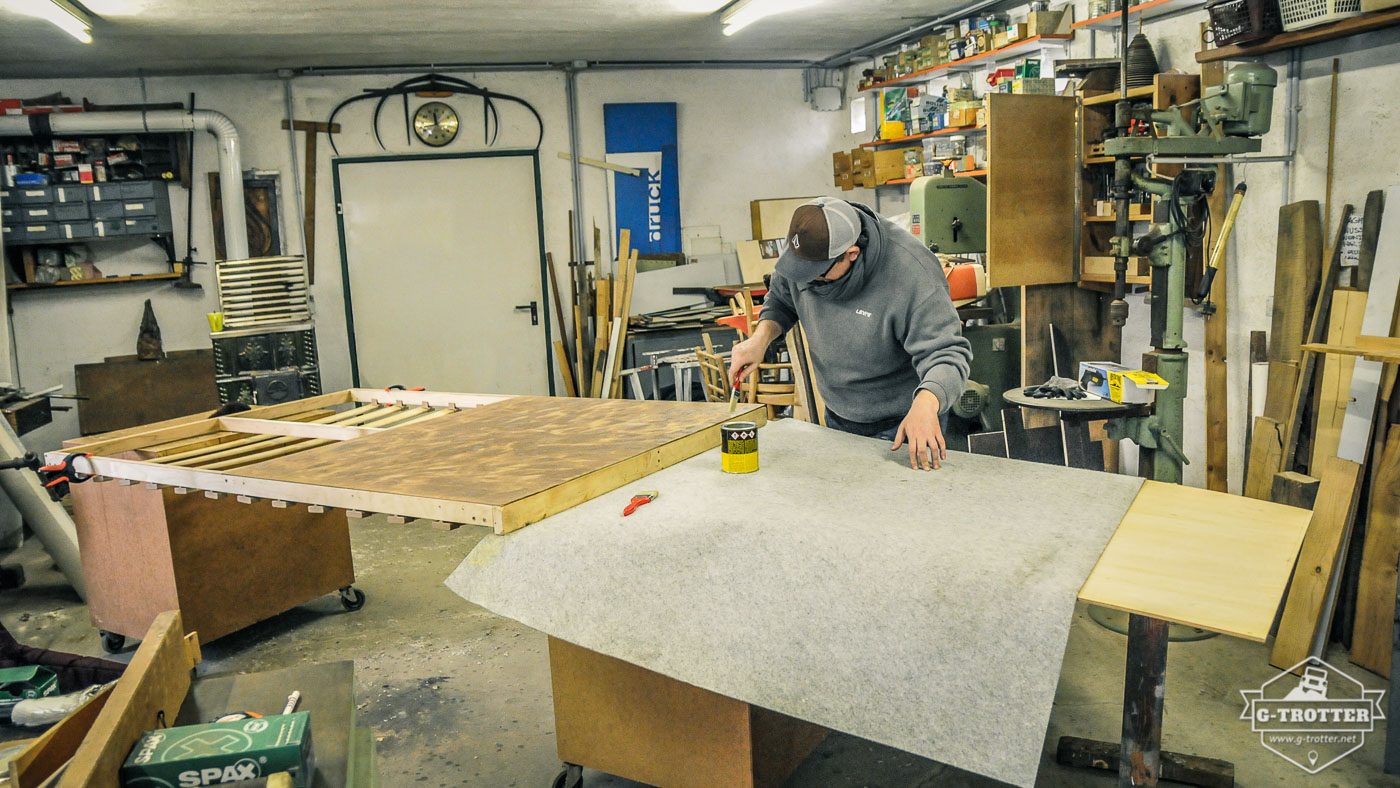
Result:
[
  {"x": 80, "y": 212},
  {"x": 103, "y": 192},
  {"x": 72, "y": 194},
  {"x": 140, "y": 189},
  {"x": 46, "y": 231},
  {"x": 70, "y": 212},
  {"x": 30, "y": 195},
  {"x": 106, "y": 210}
]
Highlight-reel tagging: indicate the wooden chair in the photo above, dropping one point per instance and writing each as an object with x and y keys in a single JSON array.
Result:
[{"x": 764, "y": 386}]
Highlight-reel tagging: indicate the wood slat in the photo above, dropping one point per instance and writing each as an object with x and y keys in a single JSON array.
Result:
[
  {"x": 295, "y": 445},
  {"x": 184, "y": 458},
  {"x": 1375, "y": 594},
  {"x": 1317, "y": 561}
]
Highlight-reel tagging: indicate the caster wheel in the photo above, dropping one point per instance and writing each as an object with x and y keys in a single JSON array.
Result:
[
  {"x": 352, "y": 598},
  {"x": 112, "y": 642},
  {"x": 570, "y": 777}
]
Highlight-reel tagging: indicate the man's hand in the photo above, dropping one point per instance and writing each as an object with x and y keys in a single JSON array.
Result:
[
  {"x": 923, "y": 431},
  {"x": 745, "y": 356}
]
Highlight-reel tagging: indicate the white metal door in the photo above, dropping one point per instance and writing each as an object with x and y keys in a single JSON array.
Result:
[{"x": 438, "y": 254}]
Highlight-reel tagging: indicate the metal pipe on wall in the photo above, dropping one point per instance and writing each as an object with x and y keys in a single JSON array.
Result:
[
  {"x": 571, "y": 99},
  {"x": 1290, "y": 121},
  {"x": 298, "y": 198},
  {"x": 230, "y": 158}
]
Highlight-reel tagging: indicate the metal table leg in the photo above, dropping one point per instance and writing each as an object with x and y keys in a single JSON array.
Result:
[{"x": 1139, "y": 757}]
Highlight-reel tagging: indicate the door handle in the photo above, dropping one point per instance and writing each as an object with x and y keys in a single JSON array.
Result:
[{"x": 534, "y": 308}]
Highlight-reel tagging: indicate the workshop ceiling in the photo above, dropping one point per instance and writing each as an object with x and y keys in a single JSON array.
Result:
[{"x": 252, "y": 36}]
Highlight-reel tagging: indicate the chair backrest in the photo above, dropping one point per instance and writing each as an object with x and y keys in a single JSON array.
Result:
[{"x": 714, "y": 373}]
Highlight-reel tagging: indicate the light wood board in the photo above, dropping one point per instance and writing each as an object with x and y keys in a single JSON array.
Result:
[
  {"x": 1200, "y": 558},
  {"x": 1348, "y": 306},
  {"x": 1326, "y": 536},
  {"x": 148, "y": 694}
]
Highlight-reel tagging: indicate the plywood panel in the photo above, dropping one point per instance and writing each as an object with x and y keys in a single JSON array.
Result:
[
  {"x": 1201, "y": 558},
  {"x": 1031, "y": 209},
  {"x": 126, "y": 555},
  {"x": 510, "y": 451},
  {"x": 1348, "y": 307}
]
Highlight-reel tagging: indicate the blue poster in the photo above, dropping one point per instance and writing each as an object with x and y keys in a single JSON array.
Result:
[{"x": 643, "y": 136}]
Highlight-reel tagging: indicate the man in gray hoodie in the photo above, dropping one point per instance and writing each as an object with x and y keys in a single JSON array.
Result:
[{"x": 886, "y": 342}]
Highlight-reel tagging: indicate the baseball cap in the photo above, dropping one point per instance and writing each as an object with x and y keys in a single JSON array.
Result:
[{"x": 821, "y": 231}]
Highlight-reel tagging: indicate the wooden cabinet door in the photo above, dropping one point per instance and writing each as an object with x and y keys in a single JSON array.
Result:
[{"x": 1031, "y": 209}]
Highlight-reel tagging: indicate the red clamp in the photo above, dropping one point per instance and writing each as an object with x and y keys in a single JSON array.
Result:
[
  {"x": 640, "y": 499},
  {"x": 56, "y": 478}
]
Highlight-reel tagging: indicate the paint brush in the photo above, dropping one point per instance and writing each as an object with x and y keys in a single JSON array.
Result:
[{"x": 734, "y": 397}]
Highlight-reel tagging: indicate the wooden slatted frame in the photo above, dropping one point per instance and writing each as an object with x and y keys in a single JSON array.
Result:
[{"x": 404, "y": 406}]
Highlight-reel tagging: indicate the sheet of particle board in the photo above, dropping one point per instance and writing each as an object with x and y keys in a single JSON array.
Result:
[
  {"x": 499, "y": 453},
  {"x": 1206, "y": 559},
  {"x": 928, "y": 611}
]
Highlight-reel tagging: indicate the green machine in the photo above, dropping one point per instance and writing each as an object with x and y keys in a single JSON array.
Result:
[
  {"x": 949, "y": 215},
  {"x": 1226, "y": 120}
]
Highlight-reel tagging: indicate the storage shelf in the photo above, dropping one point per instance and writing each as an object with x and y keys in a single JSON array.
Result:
[
  {"x": 106, "y": 280},
  {"x": 1144, "y": 11},
  {"x": 904, "y": 181},
  {"x": 953, "y": 64},
  {"x": 912, "y": 137},
  {"x": 1365, "y": 23}
]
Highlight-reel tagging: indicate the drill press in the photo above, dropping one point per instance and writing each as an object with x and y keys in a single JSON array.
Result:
[{"x": 1226, "y": 120}]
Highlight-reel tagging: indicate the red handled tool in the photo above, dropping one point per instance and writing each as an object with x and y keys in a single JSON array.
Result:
[{"x": 640, "y": 499}]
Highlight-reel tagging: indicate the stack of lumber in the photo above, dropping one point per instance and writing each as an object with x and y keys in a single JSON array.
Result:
[
  {"x": 590, "y": 360},
  {"x": 1328, "y": 438}
]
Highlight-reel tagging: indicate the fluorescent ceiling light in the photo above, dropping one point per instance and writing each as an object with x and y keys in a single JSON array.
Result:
[
  {"x": 62, "y": 14},
  {"x": 746, "y": 12}
]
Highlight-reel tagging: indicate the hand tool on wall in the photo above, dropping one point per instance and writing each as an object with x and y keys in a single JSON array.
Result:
[
  {"x": 312, "y": 128},
  {"x": 1202, "y": 297}
]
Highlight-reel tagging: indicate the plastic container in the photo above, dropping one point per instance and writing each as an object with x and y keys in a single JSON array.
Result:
[{"x": 1300, "y": 14}]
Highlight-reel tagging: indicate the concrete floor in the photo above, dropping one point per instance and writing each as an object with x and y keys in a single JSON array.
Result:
[{"x": 460, "y": 697}]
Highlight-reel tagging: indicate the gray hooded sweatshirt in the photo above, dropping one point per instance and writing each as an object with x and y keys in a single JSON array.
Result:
[{"x": 883, "y": 331}]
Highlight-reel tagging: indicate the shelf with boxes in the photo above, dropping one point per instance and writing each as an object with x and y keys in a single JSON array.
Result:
[
  {"x": 44, "y": 224},
  {"x": 1137, "y": 13},
  {"x": 1098, "y": 216},
  {"x": 960, "y": 47}
]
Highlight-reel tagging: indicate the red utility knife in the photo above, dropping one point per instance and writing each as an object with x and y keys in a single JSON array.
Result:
[{"x": 639, "y": 499}]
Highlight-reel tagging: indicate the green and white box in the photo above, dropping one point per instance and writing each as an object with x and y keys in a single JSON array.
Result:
[{"x": 222, "y": 752}]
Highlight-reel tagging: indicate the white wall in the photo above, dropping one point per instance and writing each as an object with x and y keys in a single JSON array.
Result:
[
  {"x": 1365, "y": 159},
  {"x": 743, "y": 135}
]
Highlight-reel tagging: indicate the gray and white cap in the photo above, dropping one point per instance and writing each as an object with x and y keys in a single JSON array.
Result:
[{"x": 821, "y": 231}]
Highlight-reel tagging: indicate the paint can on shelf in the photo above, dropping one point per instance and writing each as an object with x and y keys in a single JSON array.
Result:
[{"x": 738, "y": 451}]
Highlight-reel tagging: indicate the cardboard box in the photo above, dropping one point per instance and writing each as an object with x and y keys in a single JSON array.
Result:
[
  {"x": 1017, "y": 31},
  {"x": 1377, "y": 5},
  {"x": 894, "y": 158},
  {"x": 1042, "y": 23},
  {"x": 999, "y": 40},
  {"x": 223, "y": 752},
  {"x": 1110, "y": 381},
  {"x": 1038, "y": 87}
]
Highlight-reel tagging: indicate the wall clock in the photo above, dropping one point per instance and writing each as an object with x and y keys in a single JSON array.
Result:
[{"x": 435, "y": 123}]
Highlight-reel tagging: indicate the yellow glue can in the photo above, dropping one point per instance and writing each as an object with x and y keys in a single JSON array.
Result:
[{"x": 738, "y": 451}]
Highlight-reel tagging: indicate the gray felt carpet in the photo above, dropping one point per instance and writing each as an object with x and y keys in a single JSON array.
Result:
[{"x": 923, "y": 610}]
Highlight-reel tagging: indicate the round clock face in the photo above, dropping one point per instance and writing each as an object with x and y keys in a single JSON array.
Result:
[{"x": 435, "y": 123}]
